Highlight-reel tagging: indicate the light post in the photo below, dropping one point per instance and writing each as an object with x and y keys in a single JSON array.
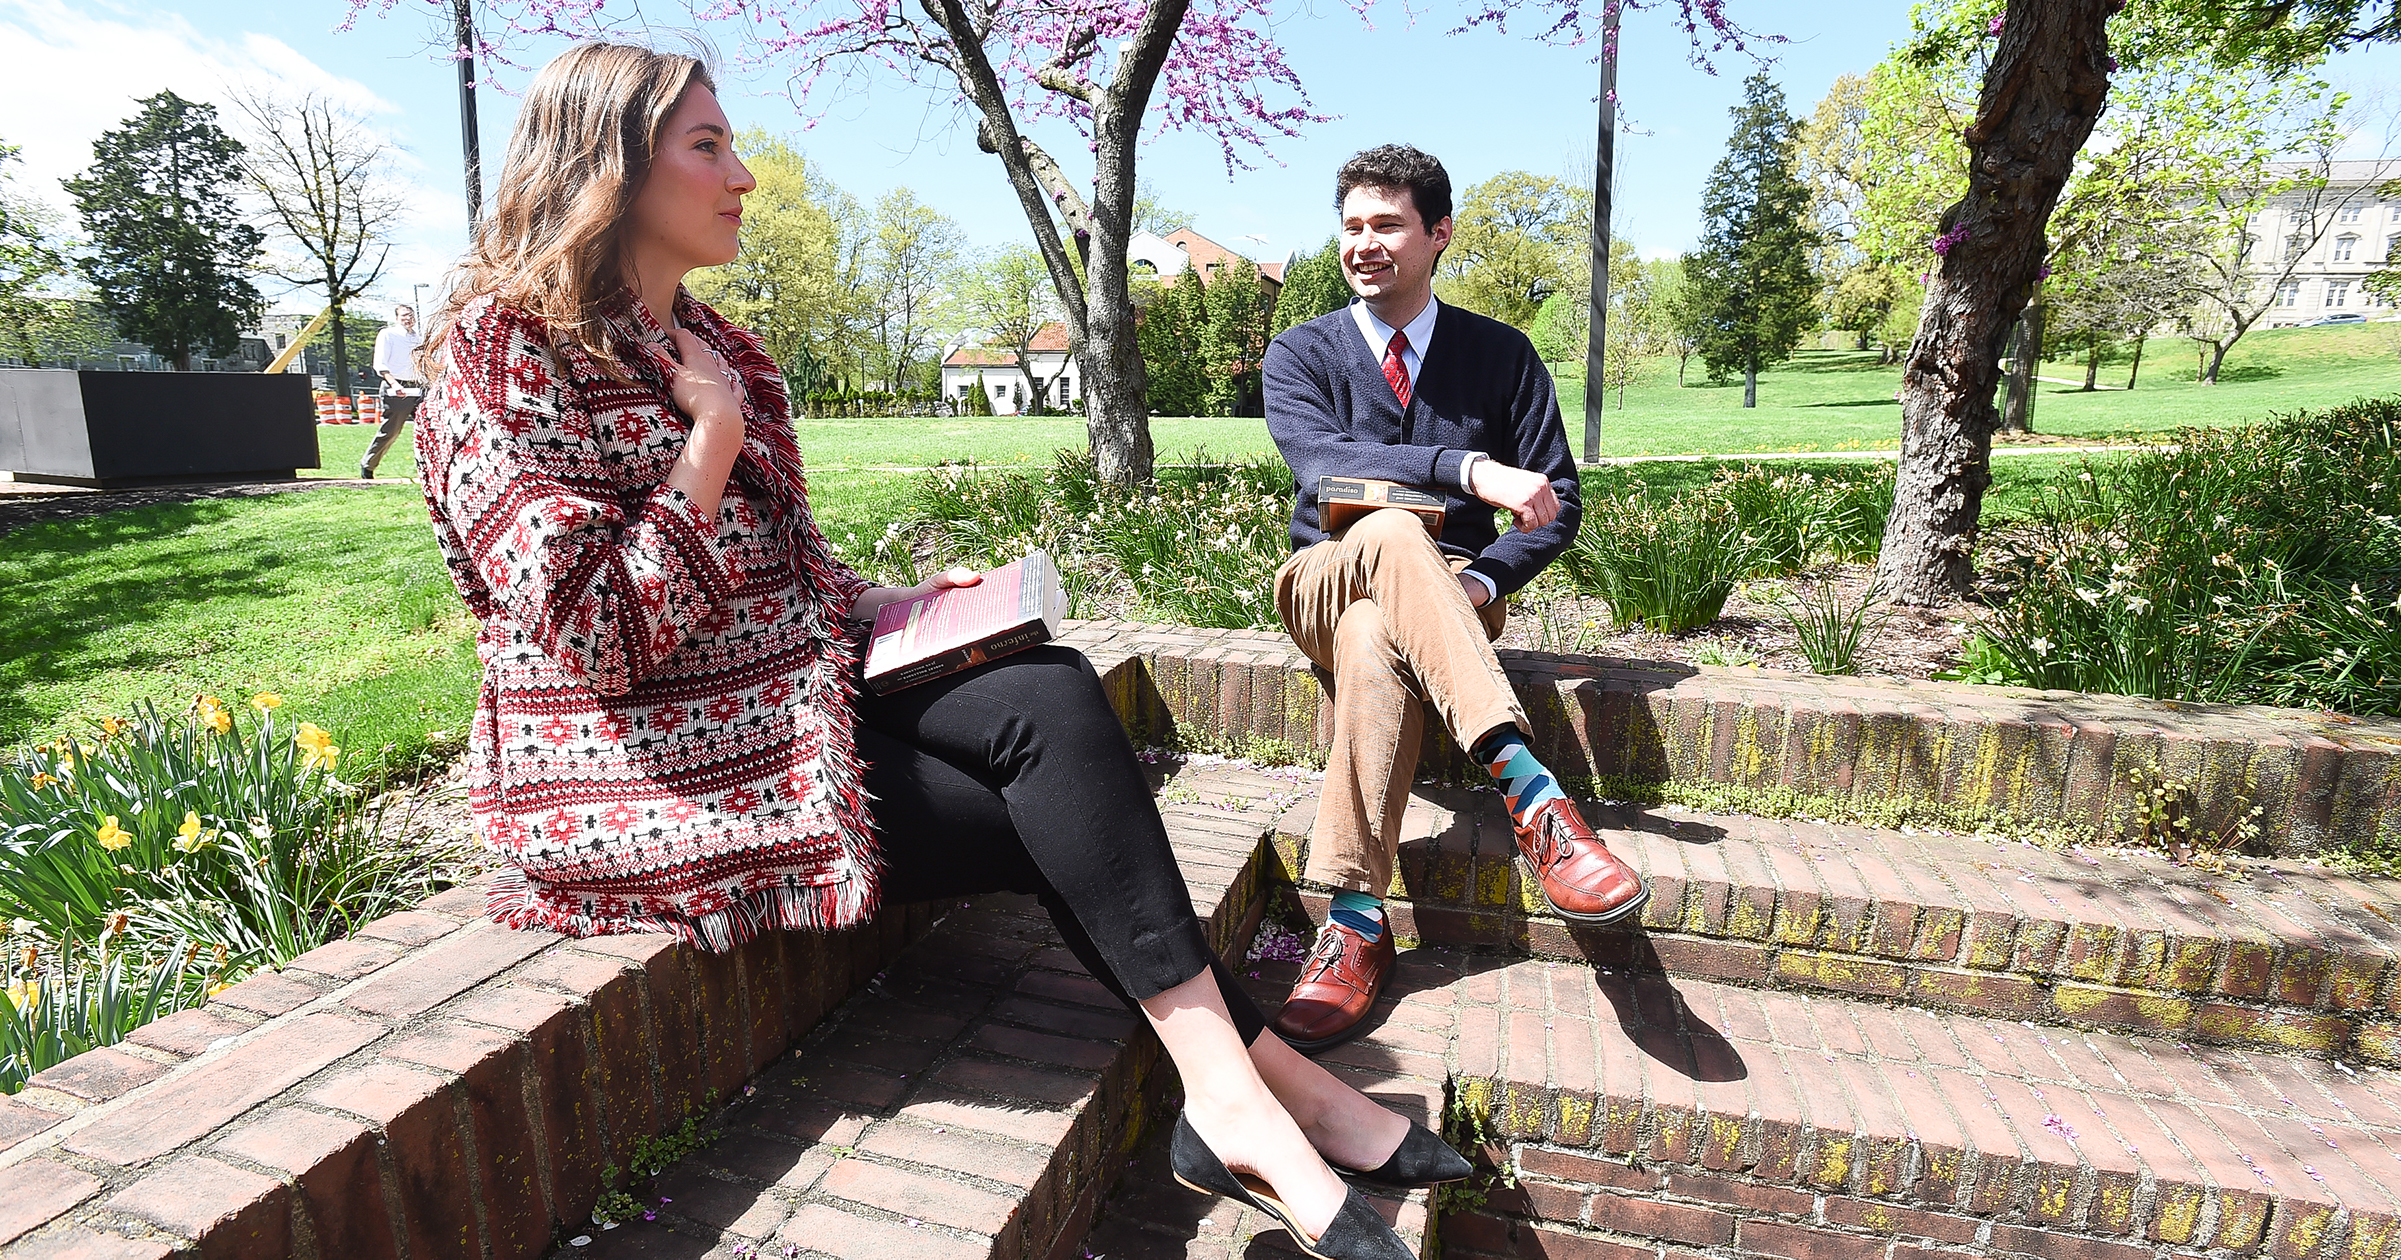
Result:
[
  {"x": 463, "y": 19},
  {"x": 1604, "y": 157}
]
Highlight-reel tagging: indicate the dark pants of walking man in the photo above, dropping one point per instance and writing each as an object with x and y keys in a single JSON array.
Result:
[{"x": 398, "y": 410}]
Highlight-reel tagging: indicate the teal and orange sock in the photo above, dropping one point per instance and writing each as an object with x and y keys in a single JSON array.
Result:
[{"x": 1525, "y": 782}]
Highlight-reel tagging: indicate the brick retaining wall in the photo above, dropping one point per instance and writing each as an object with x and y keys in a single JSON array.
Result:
[
  {"x": 2049, "y": 758},
  {"x": 436, "y": 1086}
]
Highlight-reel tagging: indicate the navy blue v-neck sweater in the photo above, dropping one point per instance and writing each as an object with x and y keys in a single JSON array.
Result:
[{"x": 1480, "y": 388}]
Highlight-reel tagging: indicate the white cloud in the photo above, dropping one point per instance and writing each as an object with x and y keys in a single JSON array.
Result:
[{"x": 76, "y": 70}]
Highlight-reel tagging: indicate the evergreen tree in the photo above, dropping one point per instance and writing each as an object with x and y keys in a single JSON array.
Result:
[
  {"x": 1751, "y": 282},
  {"x": 1235, "y": 338},
  {"x": 1312, "y": 287},
  {"x": 1169, "y": 333},
  {"x": 29, "y": 261},
  {"x": 169, "y": 244}
]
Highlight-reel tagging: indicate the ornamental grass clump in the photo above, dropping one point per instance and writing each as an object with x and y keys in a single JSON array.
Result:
[
  {"x": 1669, "y": 566},
  {"x": 2256, "y": 565}
]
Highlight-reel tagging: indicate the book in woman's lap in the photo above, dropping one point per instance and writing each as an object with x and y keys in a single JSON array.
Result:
[{"x": 1016, "y": 606}]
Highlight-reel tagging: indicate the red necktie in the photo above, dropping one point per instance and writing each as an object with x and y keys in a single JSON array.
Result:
[{"x": 1394, "y": 373}]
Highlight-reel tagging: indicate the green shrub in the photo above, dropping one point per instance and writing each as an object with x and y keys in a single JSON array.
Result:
[
  {"x": 1668, "y": 567},
  {"x": 2257, "y": 565}
]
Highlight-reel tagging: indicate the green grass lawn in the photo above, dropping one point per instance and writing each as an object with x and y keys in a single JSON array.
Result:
[
  {"x": 1828, "y": 400},
  {"x": 334, "y": 598}
]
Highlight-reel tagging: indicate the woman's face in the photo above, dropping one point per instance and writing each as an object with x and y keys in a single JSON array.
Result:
[{"x": 688, "y": 212}]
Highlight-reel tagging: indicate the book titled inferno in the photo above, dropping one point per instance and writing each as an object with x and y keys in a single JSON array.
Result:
[
  {"x": 1342, "y": 500},
  {"x": 1014, "y": 607}
]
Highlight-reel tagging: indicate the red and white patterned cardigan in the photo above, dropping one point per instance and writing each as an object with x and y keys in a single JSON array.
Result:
[{"x": 664, "y": 739}]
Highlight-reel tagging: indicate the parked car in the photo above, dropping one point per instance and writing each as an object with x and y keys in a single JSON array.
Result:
[{"x": 2347, "y": 317}]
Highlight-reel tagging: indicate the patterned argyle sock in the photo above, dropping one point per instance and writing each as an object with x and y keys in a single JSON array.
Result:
[
  {"x": 1525, "y": 782},
  {"x": 1360, "y": 912}
]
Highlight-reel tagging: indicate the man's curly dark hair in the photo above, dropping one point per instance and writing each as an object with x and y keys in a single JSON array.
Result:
[{"x": 1399, "y": 166}]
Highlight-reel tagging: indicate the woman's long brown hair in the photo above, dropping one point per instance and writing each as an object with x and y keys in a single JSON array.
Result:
[{"x": 548, "y": 245}]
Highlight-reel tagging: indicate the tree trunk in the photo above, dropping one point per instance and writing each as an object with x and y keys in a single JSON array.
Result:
[
  {"x": 1750, "y": 384},
  {"x": 2043, "y": 92},
  {"x": 2138, "y": 361},
  {"x": 1681, "y": 360},
  {"x": 2018, "y": 415},
  {"x": 341, "y": 355},
  {"x": 2215, "y": 353},
  {"x": 2092, "y": 361}
]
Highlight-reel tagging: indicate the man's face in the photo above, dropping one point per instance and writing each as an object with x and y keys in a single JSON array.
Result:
[
  {"x": 407, "y": 319},
  {"x": 1387, "y": 251}
]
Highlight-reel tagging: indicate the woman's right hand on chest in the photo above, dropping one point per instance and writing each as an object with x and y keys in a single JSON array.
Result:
[{"x": 702, "y": 385}]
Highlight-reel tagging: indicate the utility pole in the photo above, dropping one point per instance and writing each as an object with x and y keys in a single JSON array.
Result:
[
  {"x": 463, "y": 18},
  {"x": 1603, "y": 162}
]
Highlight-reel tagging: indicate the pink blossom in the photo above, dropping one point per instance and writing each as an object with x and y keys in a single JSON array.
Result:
[
  {"x": 1942, "y": 246},
  {"x": 1993, "y": 27}
]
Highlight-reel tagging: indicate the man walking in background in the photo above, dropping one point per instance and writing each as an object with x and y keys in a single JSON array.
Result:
[
  {"x": 1398, "y": 387},
  {"x": 403, "y": 389}
]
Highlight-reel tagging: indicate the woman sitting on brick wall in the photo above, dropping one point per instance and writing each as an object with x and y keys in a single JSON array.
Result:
[{"x": 671, "y": 735}]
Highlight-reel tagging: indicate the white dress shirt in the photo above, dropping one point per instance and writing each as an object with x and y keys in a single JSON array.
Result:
[
  {"x": 1413, "y": 356},
  {"x": 395, "y": 354}
]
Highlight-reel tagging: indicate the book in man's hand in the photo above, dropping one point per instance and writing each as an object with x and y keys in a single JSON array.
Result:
[
  {"x": 1342, "y": 500},
  {"x": 1016, "y": 606}
]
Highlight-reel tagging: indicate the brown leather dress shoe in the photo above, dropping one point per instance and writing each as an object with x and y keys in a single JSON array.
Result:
[
  {"x": 1581, "y": 878},
  {"x": 1338, "y": 984}
]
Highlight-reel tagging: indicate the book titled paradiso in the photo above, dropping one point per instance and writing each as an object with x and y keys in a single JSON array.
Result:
[{"x": 1014, "y": 607}]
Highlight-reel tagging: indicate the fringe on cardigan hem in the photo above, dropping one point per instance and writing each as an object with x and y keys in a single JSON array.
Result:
[{"x": 513, "y": 904}]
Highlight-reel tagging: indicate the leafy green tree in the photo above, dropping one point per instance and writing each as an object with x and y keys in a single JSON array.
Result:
[
  {"x": 1514, "y": 242},
  {"x": 912, "y": 263},
  {"x": 1751, "y": 279},
  {"x": 1169, "y": 332},
  {"x": 802, "y": 279},
  {"x": 30, "y": 264},
  {"x": 1009, "y": 299},
  {"x": 1313, "y": 286},
  {"x": 1153, "y": 215},
  {"x": 169, "y": 242},
  {"x": 1234, "y": 339},
  {"x": 1677, "y": 311}
]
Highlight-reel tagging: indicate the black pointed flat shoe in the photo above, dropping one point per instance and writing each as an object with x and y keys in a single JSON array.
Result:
[
  {"x": 1356, "y": 1232},
  {"x": 1422, "y": 1159}
]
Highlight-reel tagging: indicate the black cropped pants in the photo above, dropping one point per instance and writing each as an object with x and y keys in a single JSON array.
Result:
[{"x": 1015, "y": 776}]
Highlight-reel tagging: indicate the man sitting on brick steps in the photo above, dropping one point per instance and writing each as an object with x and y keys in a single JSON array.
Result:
[{"x": 1398, "y": 387}]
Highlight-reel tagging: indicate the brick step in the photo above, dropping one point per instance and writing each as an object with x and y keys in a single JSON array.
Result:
[
  {"x": 1153, "y": 1215},
  {"x": 975, "y": 1101},
  {"x": 1644, "y": 1111},
  {"x": 2285, "y": 956}
]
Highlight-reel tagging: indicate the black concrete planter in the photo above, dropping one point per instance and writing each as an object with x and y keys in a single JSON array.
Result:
[{"x": 112, "y": 429}]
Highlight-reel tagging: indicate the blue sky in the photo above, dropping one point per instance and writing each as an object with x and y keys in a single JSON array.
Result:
[{"x": 1484, "y": 102}]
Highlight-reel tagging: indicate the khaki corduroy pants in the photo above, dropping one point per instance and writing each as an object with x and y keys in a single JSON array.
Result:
[{"x": 1380, "y": 608}]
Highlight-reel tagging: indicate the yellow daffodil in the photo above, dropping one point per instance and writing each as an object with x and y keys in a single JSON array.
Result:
[
  {"x": 24, "y": 993},
  {"x": 319, "y": 745},
  {"x": 212, "y": 714},
  {"x": 112, "y": 836},
  {"x": 267, "y": 701},
  {"x": 189, "y": 838},
  {"x": 219, "y": 987},
  {"x": 41, "y": 780},
  {"x": 113, "y": 727}
]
